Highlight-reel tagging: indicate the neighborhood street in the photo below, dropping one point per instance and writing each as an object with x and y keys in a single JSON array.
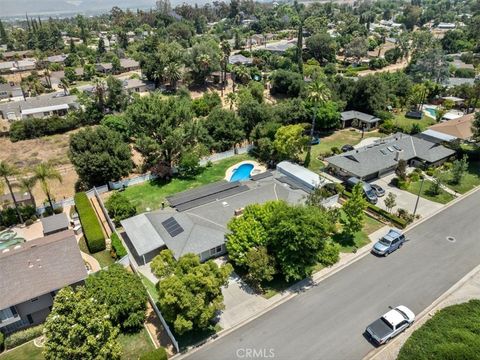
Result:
[{"x": 327, "y": 321}]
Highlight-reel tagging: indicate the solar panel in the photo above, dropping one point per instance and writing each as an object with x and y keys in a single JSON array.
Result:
[
  {"x": 389, "y": 148},
  {"x": 397, "y": 147},
  {"x": 383, "y": 152},
  {"x": 172, "y": 226}
]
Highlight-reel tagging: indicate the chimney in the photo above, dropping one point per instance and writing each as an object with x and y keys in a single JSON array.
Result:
[{"x": 397, "y": 156}]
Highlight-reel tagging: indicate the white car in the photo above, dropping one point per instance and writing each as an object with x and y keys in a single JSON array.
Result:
[{"x": 391, "y": 324}]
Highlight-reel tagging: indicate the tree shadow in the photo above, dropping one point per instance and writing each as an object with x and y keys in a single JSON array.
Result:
[{"x": 344, "y": 239}]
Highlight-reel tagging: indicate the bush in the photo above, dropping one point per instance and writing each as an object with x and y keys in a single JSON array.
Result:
[
  {"x": 90, "y": 224},
  {"x": 157, "y": 354},
  {"x": 118, "y": 247},
  {"x": 465, "y": 73},
  {"x": 35, "y": 127},
  {"x": 330, "y": 254},
  {"x": 335, "y": 150},
  {"x": 58, "y": 210},
  {"x": 120, "y": 207},
  {"x": 286, "y": 82},
  {"x": 9, "y": 217},
  {"x": 23, "y": 336},
  {"x": 29, "y": 222},
  {"x": 2, "y": 341}
]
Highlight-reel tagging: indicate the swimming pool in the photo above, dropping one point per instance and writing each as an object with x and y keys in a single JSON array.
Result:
[
  {"x": 241, "y": 173},
  {"x": 432, "y": 112}
]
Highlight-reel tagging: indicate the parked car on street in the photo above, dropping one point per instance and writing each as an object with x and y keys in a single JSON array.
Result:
[
  {"x": 378, "y": 190},
  {"x": 347, "y": 147},
  {"x": 368, "y": 191},
  {"x": 390, "y": 325},
  {"x": 392, "y": 241}
]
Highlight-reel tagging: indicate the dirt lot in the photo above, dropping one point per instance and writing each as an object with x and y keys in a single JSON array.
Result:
[{"x": 28, "y": 153}]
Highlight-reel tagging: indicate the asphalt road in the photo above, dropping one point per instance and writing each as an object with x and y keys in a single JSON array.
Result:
[{"x": 327, "y": 321}]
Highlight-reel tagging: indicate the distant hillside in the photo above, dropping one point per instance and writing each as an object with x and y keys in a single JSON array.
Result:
[{"x": 20, "y": 7}]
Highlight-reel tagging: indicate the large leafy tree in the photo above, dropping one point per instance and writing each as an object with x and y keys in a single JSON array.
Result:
[
  {"x": 204, "y": 58},
  {"x": 100, "y": 155},
  {"x": 123, "y": 294},
  {"x": 225, "y": 128},
  {"x": 323, "y": 47},
  {"x": 353, "y": 209},
  {"x": 476, "y": 127},
  {"x": 79, "y": 328},
  {"x": 290, "y": 141},
  {"x": 191, "y": 296},
  {"x": 120, "y": 207}
]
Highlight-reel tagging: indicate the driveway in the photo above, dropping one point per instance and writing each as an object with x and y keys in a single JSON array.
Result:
[
  {"x": 327, "y": 321},
  {"x": 405, "y": 200}
]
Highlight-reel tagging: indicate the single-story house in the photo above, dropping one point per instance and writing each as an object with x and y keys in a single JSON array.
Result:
[
  {"x": 198, "y": 221},
  {"x": 55, "y": 223},
  {"x": 280, "y": 47},
  {"x": 22, "y": 198},
  {"x": 446, "y": 26},
  {"x": 365, "y": 121},
  {"x": 10, "y": 92},
  {"x": 32, "y": 273},
  {"x": 39, "y": 107},
  {"x": 12, "y": 55},
  {"x": 137, "y": 85},
  {"x": 25, "y": 65},
  {"x": 460, "y": 129},
  {"x": 129, "y": 65},
  {"x": 104, "y": 68},
  {"x": 382, "y": 157},
  {"x": 56, "y": 59},
  {"x": 239, "y": 59},
  {"x": 7, "y": 67}
]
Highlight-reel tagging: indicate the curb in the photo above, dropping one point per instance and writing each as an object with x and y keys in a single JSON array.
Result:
[{"x": 377, "y": 352}]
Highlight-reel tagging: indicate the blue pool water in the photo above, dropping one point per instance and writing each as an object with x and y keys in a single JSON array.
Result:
[
  {"x": 242, "y": 173},
  {"x": 432, "y": 112}
]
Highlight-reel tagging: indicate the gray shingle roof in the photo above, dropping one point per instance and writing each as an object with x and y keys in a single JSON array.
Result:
[
  {"x": 40, "y": 101},
  {"x": 382, "y": 155},
  {"x": 40, "y": 266},
  {"x": 55, "y": 223},
  {"x": 352, "y": 115},
  {"x": 129, "y": 63},
  {"x": 239, "y": 59}
]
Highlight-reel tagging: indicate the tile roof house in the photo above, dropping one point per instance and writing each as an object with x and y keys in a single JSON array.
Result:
[
  {"x": 460, "y": 128},
  {"x": 381, "y": 158},
  {"x": 365, "y": 121},
  {"x": 32, "y": 273}
]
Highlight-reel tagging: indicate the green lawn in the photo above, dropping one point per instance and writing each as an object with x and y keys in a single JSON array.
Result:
[
  {"x": 337, "y": 139},
  {"x": 134, "y": 345},
  {"x": 150, "y": 286},
  {"x": 103, "y": 257},
  {"x": 470, "y": 180},
  {"x": 151, "y": 194},
  {"x": 27, "y": 351},
  {"x": 406, "y": 124},
  {"x": 443, "y": 197},
  {"x": 452, "y": 333}
]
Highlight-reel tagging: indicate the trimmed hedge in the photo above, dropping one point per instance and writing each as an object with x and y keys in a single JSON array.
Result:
[
  {"x": 2, "y": 341},
  {"x": 157, "y": 354},
  {"x": 401, "y": 223},
  {"x": 90, "y": 224},
  {"x": 37, "y": 127},
  {"x": 23, "y": 336},
  {"x": 118, "y": 247}
]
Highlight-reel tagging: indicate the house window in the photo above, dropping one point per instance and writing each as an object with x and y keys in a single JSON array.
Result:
[
  {"x": 215, "y": 251},
  {"x": 219, "y": 249}
]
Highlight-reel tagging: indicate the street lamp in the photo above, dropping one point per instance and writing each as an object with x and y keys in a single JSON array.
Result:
[{"x": 418, "y": 196}]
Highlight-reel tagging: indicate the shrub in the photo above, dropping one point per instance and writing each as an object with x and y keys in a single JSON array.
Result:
[
  {"x": 90, "y": 224},
  {"x": 58, "y": 210},
  {"x": 335, "y": 150},
  {"x": 465, "y": 73},
  {"x": 35, "y": 127},
  {"x": 118, "y": 247},
  {"x": 29, "y": 222},
  {"x": 23, "y": 336},
  {"x": 330, "y": 254},
  {"x": 2, "y": 341},
  {"x": 157, "y": 354},
  {"x": 9, "y": 217},
  {"x": 120, "y": 207}
]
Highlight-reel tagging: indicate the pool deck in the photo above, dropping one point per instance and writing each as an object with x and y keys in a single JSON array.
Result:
[{"x": 257, "y": 168}]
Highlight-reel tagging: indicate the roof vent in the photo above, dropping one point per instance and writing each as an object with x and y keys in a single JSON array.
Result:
[
  {"x": 5, "y": 250},
  {"x": 16, "y": 247}
]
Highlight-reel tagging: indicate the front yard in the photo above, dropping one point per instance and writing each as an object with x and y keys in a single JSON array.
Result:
[
  {"x": 443, "y": 197},
  {"x": 26, "y": 351},
  {"x": 470, "y": 180},
  {"x": 151, "y": 194}
]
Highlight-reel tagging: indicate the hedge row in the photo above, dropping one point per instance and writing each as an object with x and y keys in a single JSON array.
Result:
[
  {"x": 36, "y": 127},
  {"x": 2, "y": 341},
  {"x": 23, "y": 336},
  {"x": 90, "y": 224},
  {"x": 118, "y": 247},
  {"x": 401, "y": 223}
]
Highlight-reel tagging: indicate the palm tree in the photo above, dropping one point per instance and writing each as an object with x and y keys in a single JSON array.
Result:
[
  {"x": 226, "y": 50},
  {"x": 27, "y": 184},
  {"x": 242, "y": 74},
  {"x": 172, "y": 74},
  {"x": 43, "y": 173},
  {"x": 7, "y": 170},
  {"x": 318, "y": 95},
  {"x": 64, "y": 84},
  {"x": 204, "y": 62},
  {"x": 48, "y": 79}
]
